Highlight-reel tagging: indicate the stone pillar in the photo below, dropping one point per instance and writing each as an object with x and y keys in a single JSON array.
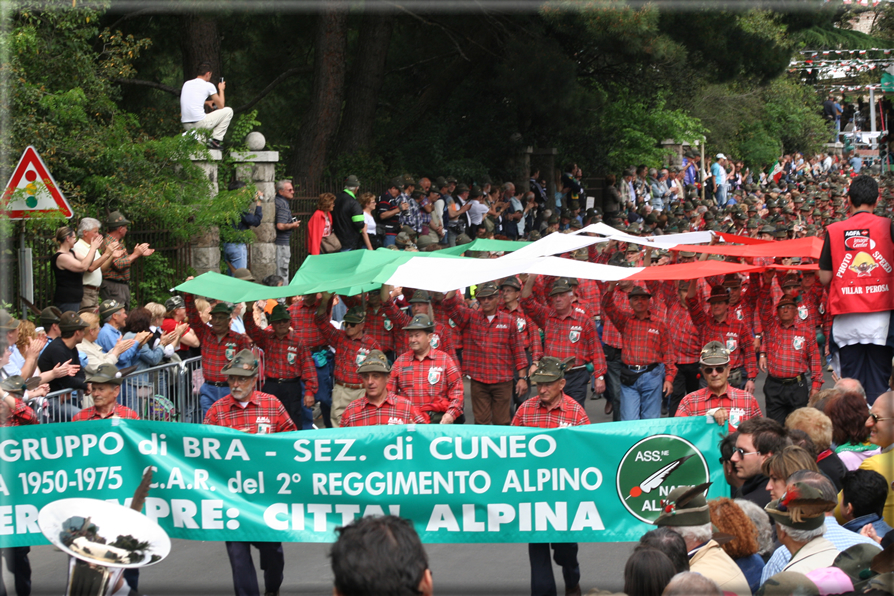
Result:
[
  {"x": 205, "y": 249},
  {"x": 258, "y": 167}
]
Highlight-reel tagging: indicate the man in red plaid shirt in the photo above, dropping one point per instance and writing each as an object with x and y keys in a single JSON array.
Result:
[
  {"x": 552, "y": 408},
  {"x": 14, "y": 411},
  {"x": 568, "y": 333},
  {"x": 105, "y": 385},
  {"x": 719, "y": 399},
  {"x": 684, "y": 342},
  {"x": 788, "y": 355},
  {"x": 428, "y": 377},
  {"x": 510, "y": 291},
  {"x": 420, "y": 304},
  {"x": 719, "y": 326},
  {"x": 219, "y": 345},
  {"x": 379, "y": 406},
  {"x": 352, "y": 345},
  {"x": 256, "y": 413},
  {"x": 302, "y": 312},
  {"x": 289, "y": 369},
  {"x": 648, "y": 360},
  {"x": 494, "y": 353}
]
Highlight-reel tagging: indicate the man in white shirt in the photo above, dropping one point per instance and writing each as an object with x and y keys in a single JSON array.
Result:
[
  {"x": 194, "y": 96},
  {"x": 88, "y": 229}
]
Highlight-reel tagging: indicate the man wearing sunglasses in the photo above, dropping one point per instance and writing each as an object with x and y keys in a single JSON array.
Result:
[
  {"x": 758, "y": 439},
  {"x": 881, "y": 433},
  {"x": 719, "y": 400},
  {"x": 494, "y": 351}
]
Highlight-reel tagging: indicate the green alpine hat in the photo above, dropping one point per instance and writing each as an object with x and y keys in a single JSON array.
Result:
[
  {"x": 512, "y": 282},
  {"x": 108, "y": 374},
  {"x": 685, "y": 506},
  {"x": 375, "y": 361},
  {"x": 355, "y": 315},
  {"x": 107, "y": 308},
  {"x": 788, "y": 583},
  {"x": 714, "y": 354},
  {"x": 487, "y": 289},
  {"x": 222, "y": 308},
  {"x": 18, "y": 385},
  {"x": 420, "y": 322},
  {"x": 245, "y": 364},
  {"x": 7, "y": 321},
  {"x": 49, "y": 316},
  {"x": 801, "y": 507},
  {"x": 279, "y": 313},
  {"x": 244, "y": 274},
  {"x": 116, "y": 220},
  {"x": 420, "y": 296},
  {"x": 352, "y": 181},
  {"x": 561, "y": 286},
  {"x": 71, "y": 321},
  {"x": 856, "y": 562},
  {"x": 551, "y": 369}
]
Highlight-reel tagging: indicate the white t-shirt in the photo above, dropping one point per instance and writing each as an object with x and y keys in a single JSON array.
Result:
[
  {"x": 370, "y": 223},
  {"x": 91, "y": 278},
  {"x": 477, "y": 212},
  {"x": 192, "y": 99}
]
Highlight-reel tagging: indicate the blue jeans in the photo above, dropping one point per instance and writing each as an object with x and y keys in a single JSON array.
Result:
[
  {"x": 720, "y": 195},
  {"x": 209, "y": 394},
  {"x": 236, "y": 255},
  {"x": 642, "y": 400},
  {"x": 388, "y": 240}
]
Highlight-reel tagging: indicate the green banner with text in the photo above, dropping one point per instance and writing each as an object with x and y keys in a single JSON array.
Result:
[{"x": 596, "y": 483}]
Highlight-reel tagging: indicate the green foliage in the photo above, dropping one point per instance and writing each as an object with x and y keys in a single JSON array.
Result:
[
  {"x": 239, "y": 129},
  {"x": 369, "y": 168},
  {"x": 157, "y": 279}
]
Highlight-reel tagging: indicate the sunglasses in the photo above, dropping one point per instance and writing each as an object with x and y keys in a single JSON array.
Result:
[
  {"x": 742, "y": 453},
  {"x": 712, "y": 369},
  {"x": 351, "y": 324},
  {"x": 876, "y": 418},
  {"x": 491, "y": 297}
]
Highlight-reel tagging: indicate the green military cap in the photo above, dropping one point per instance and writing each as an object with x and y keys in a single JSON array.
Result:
[
  {"x": 222, "y": 308},
  {"x": 551, "y": 369},
  {"x": 396, "y": 183},
  {"x": 420, "y": 322},
  {"x": 487, "y": 289},
  {"x": 856, "y": 562},
  {"x": 553, "y": 219},
  {"x": 403, "y": 239},
  {"x": 685, "y": 506},
  {"x": 566, "y": 214},
  {"x": 463, "y": 239},
  {"x": 635, "y": 228},
  {"x": 244, "y": 364},
  {"x": 424, "y": 241},
  {"x": 708, "y": 216},
  {"x": 575, "y": 224},
  {"x": 452, "y": 180},
  {"x": 408, "y": 180},
  {"x": 883, "y": 582},
  {"x": 7, "y": 321},
  {"x": 512, "y": 282},
  {"x": 409, "y": 231},
  {"x": 115, "y": 220},
  {"x": 279, "y": 313},
  {"x": 620, "y": 227},
  {"x": 638, "y": 291},
  {"x": 475, "y": 192},
  {"x": 687, "y": 206},
  {"x": 753, "y": 224},
  {"x": 781, "y": 232},
  {"x": 534, "y": 236},
  {"x": 581, "y": 254},
  {"x": 767, "y": 230},
  {"x": 375, "y": 361},
  {"x": 714, "y": 353},
  {"x": 797, "y": 198},
  {"x": 174, "y": 302},
  {"x": 788, "y": 211},
  {"x": 718, "y": 294},
  {"x": 801, "y": 507},
  {"x": 71, "y": 321},
  {"x": 420, "y": 297},
  {"x": 651, "y": 218},
  {"x": 352, "y": 181},
  {"x": 109, "y": 307},
  {"x": 441, "y": 182},
  {"x": 108, "y": 374},
  {"x": 355, "y": 315},
  {"x": 631, "y": 247},
  {"x": 17, "y": 385},
  {"x": 740, "y": 215},
  {"x": 732, "y": 280},
  {"x": 243, "y": 274},
  {"x": 461, "y": 188},
  {"x": 678, "y": 211},
  {"x": 561, "y": 286},
  {"x": 50, "y": 315},
  {"x": 686, "y": 254},
  {"x": 788, "y": 583}
]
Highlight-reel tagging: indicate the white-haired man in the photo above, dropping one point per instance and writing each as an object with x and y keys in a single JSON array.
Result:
[{"x": 88, "y": 229}]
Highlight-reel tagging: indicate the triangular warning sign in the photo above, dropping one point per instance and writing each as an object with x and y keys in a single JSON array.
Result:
[{"x": 31, "y": 190}]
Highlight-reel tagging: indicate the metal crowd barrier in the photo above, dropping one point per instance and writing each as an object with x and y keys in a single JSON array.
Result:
[{"x": 169, "y": 392}]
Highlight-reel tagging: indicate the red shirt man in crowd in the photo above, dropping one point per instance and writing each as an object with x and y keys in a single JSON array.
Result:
[
  {"x": 378, "y": 406},
  {"x": 105, "y": 385}
]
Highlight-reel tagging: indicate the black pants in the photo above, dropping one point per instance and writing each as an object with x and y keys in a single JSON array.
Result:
[
  {"x": 685, "y": 383},
  {"x": 868, "y": 363},
  {"x": 613, "y": 379},
  {"x": 785, "y": 398},
  {"x": 245, "y": 579},
  {"x": 576, "y": 382},
  {"x": 19, "y": 566},
  {"x": 543, "y": 583},
  {"x": 292, "y": 397}
]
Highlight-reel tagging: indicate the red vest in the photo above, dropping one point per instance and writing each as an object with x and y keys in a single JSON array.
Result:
[{"x": 862, "y": 271}]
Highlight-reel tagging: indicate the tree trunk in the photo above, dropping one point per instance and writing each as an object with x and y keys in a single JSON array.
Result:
[
  {"x": 199, "y": 42},
  {"x": 367, "y": 78},
  {"x": 321, "y": 121}
]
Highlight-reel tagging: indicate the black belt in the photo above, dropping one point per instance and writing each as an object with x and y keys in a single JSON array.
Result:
[
  {"x": 218, "y": 383},
  {"x": 645, "y": 368},
  {"x": 789, "y": 380},
  {"x": 116, "y": 281},
  {"x": 292, "y": 380}
]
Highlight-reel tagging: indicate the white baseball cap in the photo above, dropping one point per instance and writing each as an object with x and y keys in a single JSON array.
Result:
[{"x": 721, "y": 156}]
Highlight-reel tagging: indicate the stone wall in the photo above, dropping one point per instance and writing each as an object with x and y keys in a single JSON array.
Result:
[{"x": 205, "y": 249}]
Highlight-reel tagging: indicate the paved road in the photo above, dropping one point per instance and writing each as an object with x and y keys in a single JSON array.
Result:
[{"x": 458, "y": 569}]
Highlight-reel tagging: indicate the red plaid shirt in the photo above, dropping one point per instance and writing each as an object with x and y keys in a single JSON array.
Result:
[
  {"x": 534, "y": 413},
  {"x": 495, "y": 348},
  {"x": 120, "y": 269},
  {"x": 685, "y": 338},
  {"x": 216, "y": 352},
  {"x": 441, "y": 339},
  {"x": 263, "y": 415},
  {"x": 646, "y": 339},
  {"x": 589, "y": 296},
  {"x": 93, "y": 414},
  {"x": 394, "y": 410},
  {"x": 378, "y": 325},
  {"x": 303, "y": 324},
  {"x": 610, "y": 333},
  {"x": 285, "y": 358},
  {"x": 22, "y": 415},
  {"x": 349, "y": 353},
  {"x": 571, "y": 335},
  {"x": 731, "y": 333},
  {"x": 740, "y": 404},
  {"x": 791, "y": 350},
  {"x": 433, "y": 383},
  {"x": 528, "y": 329}
]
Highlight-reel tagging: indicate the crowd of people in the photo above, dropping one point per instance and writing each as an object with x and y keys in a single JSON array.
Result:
[{"x": 535, "y": 348}]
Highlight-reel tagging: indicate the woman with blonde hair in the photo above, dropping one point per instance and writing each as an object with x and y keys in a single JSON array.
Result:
[
  {"x": 818, "y": 427},
  {"x": 68, "y": 269},
  {"x": 730, "y": 519}
]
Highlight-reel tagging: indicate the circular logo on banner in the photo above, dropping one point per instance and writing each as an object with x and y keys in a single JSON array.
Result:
[{"x": 655, "y": 466}]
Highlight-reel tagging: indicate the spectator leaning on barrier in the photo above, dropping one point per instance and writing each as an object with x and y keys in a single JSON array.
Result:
[{"x": 63, "y": 351}]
